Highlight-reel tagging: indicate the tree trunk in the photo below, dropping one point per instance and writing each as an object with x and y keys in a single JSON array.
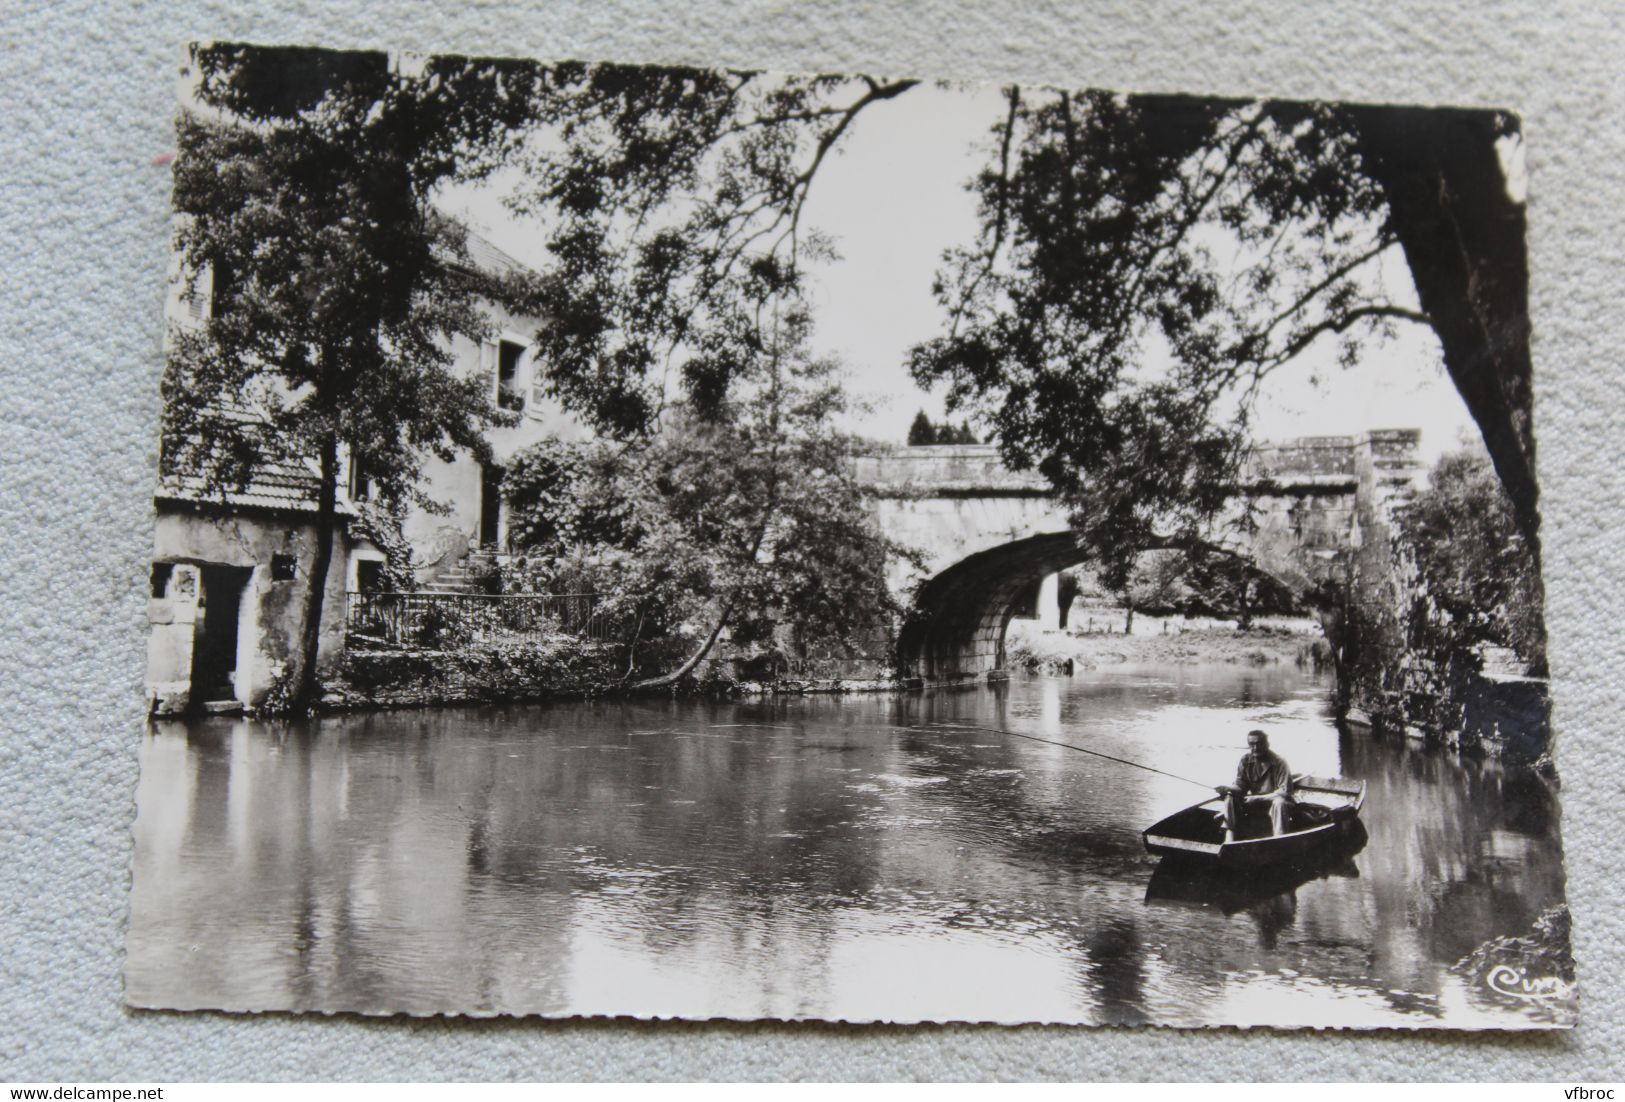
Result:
[
  {"x": 1463, "y": 237},
  {"x": 1244, "y": 604},
  {"x": 1128, "y": 621},
  {"x": 694, "y": 659},
  {"x": 728, "y": 608},
  {"x": 310, "y": 634}
]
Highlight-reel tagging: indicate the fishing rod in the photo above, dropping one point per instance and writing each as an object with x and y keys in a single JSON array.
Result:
[{"x": 1070, "y": 746}]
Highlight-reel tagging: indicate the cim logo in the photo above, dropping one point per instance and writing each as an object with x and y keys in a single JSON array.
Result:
[{"x": 1505, "y": 979}]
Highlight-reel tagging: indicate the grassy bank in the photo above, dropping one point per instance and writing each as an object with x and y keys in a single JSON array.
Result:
[{"x": 1054, "y": 652}]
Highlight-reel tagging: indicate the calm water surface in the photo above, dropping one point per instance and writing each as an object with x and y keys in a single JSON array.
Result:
[{"x": 859, "y": 858}]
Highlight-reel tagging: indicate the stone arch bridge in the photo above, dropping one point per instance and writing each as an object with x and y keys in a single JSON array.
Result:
[{"x": 987, "y": 533}]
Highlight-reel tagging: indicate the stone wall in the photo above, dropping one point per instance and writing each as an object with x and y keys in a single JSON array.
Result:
[
  {"x": 943, "y": 469},
  {"x": 269, "y": 608},
  {"x": 505, "y": 670},
  {"x": 1306, "y": 455}
]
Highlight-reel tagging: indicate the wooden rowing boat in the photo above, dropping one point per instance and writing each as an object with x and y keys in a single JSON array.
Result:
[
  {"x": 1324, "y": 810},
  {"x": 1210, "y": 886}
]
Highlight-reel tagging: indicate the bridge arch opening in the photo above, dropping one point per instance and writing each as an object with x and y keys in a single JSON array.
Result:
[{"x": 957, "y": 627}]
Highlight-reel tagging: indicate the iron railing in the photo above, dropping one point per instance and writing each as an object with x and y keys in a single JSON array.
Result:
[{"x": 430, "y": 619}]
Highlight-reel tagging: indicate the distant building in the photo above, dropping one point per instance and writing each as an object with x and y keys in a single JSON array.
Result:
[{"x": 230, "y": 571}]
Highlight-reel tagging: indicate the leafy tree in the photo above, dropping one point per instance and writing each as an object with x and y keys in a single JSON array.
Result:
[
  {"x": 675, "y": 198},
  {"x": 1156, "y": 582},
  {"x": 1220, "y": 240},
  {"x": 304, "y": 181},
  {"x": 1221, "y": 237},
  {"x": 677, "y": 330},
  {"x": 1223, "y": 584},
  {"x": 923, "y": 431},
  {"x": 1475, "y": 568},
  {"x": 736, "y": 522}
]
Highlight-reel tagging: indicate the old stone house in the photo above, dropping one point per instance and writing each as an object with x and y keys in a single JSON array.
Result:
[
  {"x": 228, "y": 584},
  {"x": 230, "y": 570},
  {"x": 469, "y": 490}
]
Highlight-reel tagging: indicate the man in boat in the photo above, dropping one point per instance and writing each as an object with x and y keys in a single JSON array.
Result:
[{"x": 1262, "y": 778}]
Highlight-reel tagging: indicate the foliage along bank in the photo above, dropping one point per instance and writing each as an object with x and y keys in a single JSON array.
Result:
[
  {"x": 1452, "y": 648},
  {"x": 464, "y": 654}
]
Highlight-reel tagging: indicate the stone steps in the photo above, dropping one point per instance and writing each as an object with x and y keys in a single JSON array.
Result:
[{"x": 463, "y": 575}]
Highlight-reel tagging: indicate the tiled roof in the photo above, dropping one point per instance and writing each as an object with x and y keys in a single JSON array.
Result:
[
  {"x": 271, "y": 485},
  {"x": 487, "y": 257},
  {"x": 280, "y": 480}
]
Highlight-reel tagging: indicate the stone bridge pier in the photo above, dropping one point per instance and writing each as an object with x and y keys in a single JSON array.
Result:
[{"x": 985, "y": 533}]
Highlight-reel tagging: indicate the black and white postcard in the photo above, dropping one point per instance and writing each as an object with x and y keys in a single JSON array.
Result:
[{"x": 693, "y": 543}]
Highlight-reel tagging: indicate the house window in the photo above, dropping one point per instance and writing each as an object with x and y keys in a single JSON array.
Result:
[
  {"x": 160, "y": 578},
  {"x": 221, "y": 281},
  {"x": 360, "y": 481},
  {"x": 509, "y": 394},
  {"x": 283, "y": 568},
  {"x": 207, "y": 298}
]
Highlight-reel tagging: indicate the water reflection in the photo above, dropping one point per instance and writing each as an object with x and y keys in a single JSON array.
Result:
[
  {"x": 1269, "y": 888},
  {"x": 862, "y": 858}
]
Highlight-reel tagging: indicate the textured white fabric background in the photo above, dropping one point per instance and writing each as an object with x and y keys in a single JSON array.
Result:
[{"x": 87, "y": 104}]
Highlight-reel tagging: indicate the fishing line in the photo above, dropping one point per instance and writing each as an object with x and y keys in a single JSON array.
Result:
[{"x": 1068, "y": 746}]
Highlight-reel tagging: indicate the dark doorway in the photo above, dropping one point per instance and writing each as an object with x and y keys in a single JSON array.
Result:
[
  {"x": 490, "y": 503},
  {"x": 369, "y": 576},
  {"x": 214, "y": 638}
]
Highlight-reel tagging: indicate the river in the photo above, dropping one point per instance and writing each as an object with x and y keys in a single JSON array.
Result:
[{"x": 862, "y": 858}]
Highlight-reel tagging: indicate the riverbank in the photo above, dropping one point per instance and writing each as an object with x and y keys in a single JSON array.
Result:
[
  {"x": 558, "y": 667},
  {"x": 564, "y": 666},
  {"x": 1059, "y": 652},
  {"x": 507, "y": 671}
]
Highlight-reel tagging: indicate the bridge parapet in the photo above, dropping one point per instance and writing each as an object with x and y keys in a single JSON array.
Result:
[
  {"x": 1307, "y": 464},
  {"x": 945, "y": 470},
  {"x": 1305, "y": 456}
]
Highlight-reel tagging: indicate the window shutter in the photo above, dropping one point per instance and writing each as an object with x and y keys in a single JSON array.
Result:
[
  {"x": 198, "y": 295},
  {"x": 538, "y": 382},
  {"x": 488, "y": 364}
]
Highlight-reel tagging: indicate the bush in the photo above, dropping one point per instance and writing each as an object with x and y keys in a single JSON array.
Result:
[
  {"x": 501, "y": 669},
  {"x": 1477, "y": 577},
  {"x": 446, "y": 624}
]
